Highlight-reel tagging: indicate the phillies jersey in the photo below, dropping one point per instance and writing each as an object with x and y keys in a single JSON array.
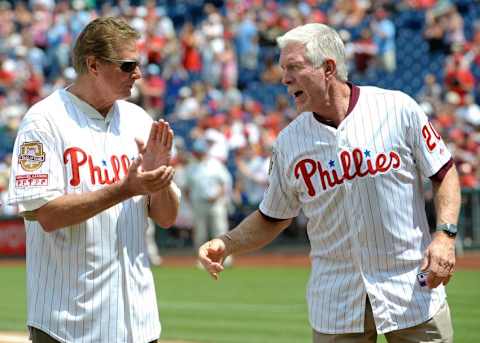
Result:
[
  {"x": 360, "y": 186},
  {"x": 91, "y": 281}
]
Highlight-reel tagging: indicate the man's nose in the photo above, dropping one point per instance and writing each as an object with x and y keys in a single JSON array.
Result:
[
  {"x": 286, "y": 79},
  {"x": 137, "y": 73}
]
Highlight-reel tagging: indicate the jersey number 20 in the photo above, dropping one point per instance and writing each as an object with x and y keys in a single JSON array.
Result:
[{"x": 431, "y": 136}]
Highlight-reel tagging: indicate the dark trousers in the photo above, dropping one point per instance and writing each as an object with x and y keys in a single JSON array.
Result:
[{"x": 38, "y": 336}]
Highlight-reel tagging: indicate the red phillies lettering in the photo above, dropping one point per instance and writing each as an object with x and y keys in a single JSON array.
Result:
[
  {"x": 396, "y": 162},
  {"x": 382, "y": 164},
  {"x": 309, "y": 168},
  {"x": 302, "y": 166},
  {"x": 358, "y": 161},
  {"x": 98, "y": 174},
  {"x": 125, "y": 163},
  {"x": 116, "y": 168},
  {"x": 332, "y": 180},
  {"x": 77, "y": 158},
  {"x": 346, "y": 161}
]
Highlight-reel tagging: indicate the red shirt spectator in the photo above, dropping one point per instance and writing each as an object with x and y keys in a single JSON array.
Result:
[
  {"x": 458, "y": 78},
  {"x": 192, "y": 61}
]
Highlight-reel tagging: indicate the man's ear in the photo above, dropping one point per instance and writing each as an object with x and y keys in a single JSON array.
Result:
[
  {"x": 92, "y": 65},
  {"x": 330, "y": 68}
]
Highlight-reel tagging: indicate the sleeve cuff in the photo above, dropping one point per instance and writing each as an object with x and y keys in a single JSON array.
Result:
[
  {"x": 270, "y": 219},
  {"x": 33, "y": 204},
  {"x": 440, "y": 174}
]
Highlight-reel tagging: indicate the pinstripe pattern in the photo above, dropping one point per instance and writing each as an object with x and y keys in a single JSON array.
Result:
[
  {"x": 368, "y": 230},
  {"x": 90, "y": 282}
]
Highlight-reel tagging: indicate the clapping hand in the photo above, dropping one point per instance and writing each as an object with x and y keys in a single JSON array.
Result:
[
  {"x": 158, "y": 150},
  {"x": 151, "y": 171}
]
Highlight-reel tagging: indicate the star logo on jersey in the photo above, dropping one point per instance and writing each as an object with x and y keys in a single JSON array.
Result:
[
  {"x": 31, "y": 156},
  {"x": 331, "y": 163}
]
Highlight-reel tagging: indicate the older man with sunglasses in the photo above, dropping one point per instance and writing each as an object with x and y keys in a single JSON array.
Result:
[{"x": 88, "y": 170}]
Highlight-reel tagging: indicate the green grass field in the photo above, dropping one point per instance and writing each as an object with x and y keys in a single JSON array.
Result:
[{"x": 254, "y": 305}]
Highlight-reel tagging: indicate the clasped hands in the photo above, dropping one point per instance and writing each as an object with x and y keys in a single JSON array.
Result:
[{"x": 151, "y": 171}]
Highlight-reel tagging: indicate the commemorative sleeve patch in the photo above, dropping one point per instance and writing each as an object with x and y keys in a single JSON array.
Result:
[
  {"x": 31, "y": 156},
  {"x": 29, "y": 180}
]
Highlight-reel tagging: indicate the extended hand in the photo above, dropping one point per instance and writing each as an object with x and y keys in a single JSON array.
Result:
[
  {"x": 211, "y": 255},
  {"x": 157, "y": 152},
  {"x": 439, "y": 260}
]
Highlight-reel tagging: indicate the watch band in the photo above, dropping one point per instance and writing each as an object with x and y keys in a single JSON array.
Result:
[{"x": 450, "y": 229}]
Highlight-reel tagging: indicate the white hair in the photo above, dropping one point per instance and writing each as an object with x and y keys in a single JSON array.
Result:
[{"x": 321, "y": 42}]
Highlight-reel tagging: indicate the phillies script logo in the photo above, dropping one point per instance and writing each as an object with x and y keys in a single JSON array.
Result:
[
  {"x": 309, "y": 169},
  {"x": 77, "y": 158}
]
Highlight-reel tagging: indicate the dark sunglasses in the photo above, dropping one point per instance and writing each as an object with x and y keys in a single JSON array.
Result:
[{"x": 126, "y": 66}]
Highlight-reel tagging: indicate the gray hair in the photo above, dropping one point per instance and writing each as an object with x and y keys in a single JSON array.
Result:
[{"x": 321, "y": 42}]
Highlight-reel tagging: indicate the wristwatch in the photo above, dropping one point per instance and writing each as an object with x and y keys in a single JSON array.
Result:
[{"x": 450, "y": 229}]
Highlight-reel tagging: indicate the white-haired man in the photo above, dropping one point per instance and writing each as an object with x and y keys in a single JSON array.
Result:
[{"x": 353, "y": 161}]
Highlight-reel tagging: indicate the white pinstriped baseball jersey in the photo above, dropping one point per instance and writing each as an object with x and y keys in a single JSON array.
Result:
[
  {"x": 90, "y": 282},
  {"x": 360, "y": 186}
]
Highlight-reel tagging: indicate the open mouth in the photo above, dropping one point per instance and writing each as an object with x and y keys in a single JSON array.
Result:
[{"x": 297, "y": 94}]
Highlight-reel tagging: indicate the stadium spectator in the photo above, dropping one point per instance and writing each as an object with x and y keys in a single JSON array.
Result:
[
  {"x": 180, "y": 161},
  {"x": 434, "y": 34},
  {"x": 152, "y": 89},
  {"x": 458, "y": 77},
  {"x": 246, "y": 44},
  {"x": 187, "y": 107},
  {"x": 364, "y": 51},
  {"x": 192, "y": 61},
  {"x": 383, "y": 31},
  {"x": 431, "y": 92},
  {"x": 347, "y": 13},
  {"x": 469, "y": 112},
  {"x": 208, "y": 186},
  {"x": 253, "y": 164},
  {"x": 272, "y": 74}
]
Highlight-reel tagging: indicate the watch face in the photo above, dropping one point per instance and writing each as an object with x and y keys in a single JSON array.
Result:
[{"x": 449, "y": 233}]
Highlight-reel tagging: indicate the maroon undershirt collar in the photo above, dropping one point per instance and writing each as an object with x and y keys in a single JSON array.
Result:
[{"x": 354, "y": 95}]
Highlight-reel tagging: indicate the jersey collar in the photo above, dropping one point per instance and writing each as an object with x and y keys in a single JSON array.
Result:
[
  {"x": 354, "y": 95},
  {"x": 90, "y": 111}
]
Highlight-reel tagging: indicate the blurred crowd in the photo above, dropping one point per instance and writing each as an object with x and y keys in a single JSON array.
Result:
[{"x": 210, "y": 68}]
